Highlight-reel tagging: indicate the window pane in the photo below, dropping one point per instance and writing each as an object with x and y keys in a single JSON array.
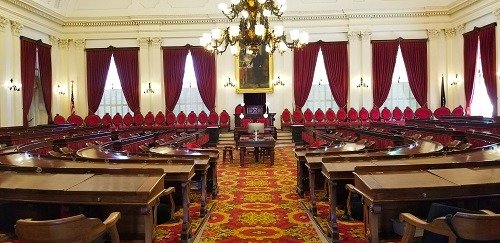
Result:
[
  {"x": 320, "y": 95},
  {"x": 400, "y": 94},
  {"x": 113, "y": 100},
  {"x": 190, "y": 99}
]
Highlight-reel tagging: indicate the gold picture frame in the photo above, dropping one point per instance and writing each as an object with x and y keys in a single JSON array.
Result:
[{"x": 254, "y": 72}]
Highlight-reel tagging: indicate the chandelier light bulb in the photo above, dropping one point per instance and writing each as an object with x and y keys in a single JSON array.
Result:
[
  {"x": 261, "y": 1},
  {"x": 234, "y": 50},
  {"x": 234, "y": 30},
  {"x": 281, "y": 2},
  {"x": 268, "y": 48},
  {"x": 222, "y": 7},
  {"x": 216, "y": 33},
  {"x": 244, "y": 14},
  {"x": 294, "y": 34},
  {"x": 235, "y": 2},
  {"x": 249, "y": 52},
  {"x": 282, "y": 46},
  {"x": 278, "y": 30},
  {"x": 304, "y": 37},
  {"x": 260, "y": 30},
  {"x": 266, "y": 13}
]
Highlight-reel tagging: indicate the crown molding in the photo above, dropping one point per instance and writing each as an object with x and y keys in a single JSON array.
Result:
[{"x": 38, "y": 9}]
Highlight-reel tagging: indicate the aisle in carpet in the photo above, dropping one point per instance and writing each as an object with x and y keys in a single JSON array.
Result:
[{"x": 258, "y": 203}]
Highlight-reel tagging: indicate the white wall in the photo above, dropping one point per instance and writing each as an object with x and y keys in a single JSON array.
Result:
[{"x": 69, "y": 41}]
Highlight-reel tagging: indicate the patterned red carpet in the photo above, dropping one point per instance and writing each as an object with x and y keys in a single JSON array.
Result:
[{"x": 258, "y": 203}]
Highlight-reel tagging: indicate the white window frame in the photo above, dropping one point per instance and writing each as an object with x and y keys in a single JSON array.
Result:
[
  {"x": 113, "y": 100},
  {"x": 480, "y": 100},
  {"x": 189, "y": 99}
]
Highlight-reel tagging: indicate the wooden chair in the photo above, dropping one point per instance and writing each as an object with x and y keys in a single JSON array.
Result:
[
  {"x": 144, "y": 148},
  {"x": 369, "y": 144},
  {"x": 54, "y": 153},
  {"x": 66, "y": 150},
  {"x": 362, "y": 141},
  {"x": 72, "y": 229},
  {"x": 465, "y": 226},
  {"x": 464, "y": 146},
  {"x": 452, "y": 145}
]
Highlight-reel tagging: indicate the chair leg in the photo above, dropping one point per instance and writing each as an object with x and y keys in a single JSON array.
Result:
[{"x": 409, "y": 233}]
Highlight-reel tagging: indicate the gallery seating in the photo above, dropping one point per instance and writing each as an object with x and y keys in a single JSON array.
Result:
[
  {"x": 159, "y": 119},
  {"x": 408, "y": 113},
  {"x": 138, "y": 119},
  {"x": 128, "y": 119},
  {"x": 286, "y": 119},
  {"x": 441, "y": 111},
  {"x": 298, "y": 117}
]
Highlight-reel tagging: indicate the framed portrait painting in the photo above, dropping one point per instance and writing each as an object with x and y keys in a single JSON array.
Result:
[{"x": 254, "y": 72}]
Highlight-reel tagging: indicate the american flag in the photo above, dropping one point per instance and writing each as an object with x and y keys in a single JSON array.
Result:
[{"x": 73, "y": 109}]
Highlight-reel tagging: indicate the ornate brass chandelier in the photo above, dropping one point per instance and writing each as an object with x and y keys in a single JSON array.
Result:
[{"x": 253, "y": 30}]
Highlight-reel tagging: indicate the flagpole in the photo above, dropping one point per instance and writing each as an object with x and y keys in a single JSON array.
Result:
[{"x": 73, "y": 110}]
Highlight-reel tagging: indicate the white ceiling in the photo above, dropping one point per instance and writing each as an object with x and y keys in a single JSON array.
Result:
[{"x": 131, "y": 8}]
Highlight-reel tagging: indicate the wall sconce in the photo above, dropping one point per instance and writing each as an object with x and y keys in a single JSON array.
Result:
[
  {"x": 455, "y": 81},
  {"x": 60, "y": 90},
  {"x": 279, "y": 82},
  {"x": 363, "y": 85},
  {"x": 229, "y": 83},
  {"x": 149, "y": 90},
  {"x": 12, "y": 86}
]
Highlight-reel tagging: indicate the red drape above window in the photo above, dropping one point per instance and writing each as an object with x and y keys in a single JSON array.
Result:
[
  {"x": 127, "y": 65},
  {"x": 415, "y": 58},
  {"x": 304, "y": 63},
  {"x": 174, "y": 62},
  {"x": 45, "y": 63},
  {"x": 28, "y": 61},
  {"x": 205, "y": 71},
  {"x": 337, "y": 69},
  {"x": 98, "y": 61},
  {"x": 383, "y": 62},
  {"x": 488, "y": 60},
  {"x": 470, "y": 52}
]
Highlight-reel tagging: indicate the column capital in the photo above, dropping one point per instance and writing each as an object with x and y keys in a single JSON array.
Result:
[
  {"x": 79, "y": 43},
  {"x": 156, "y": 41},
  {"x": 353, "y": 35},
  {"x": 53, "y": 40},
  {"x": 460, "y": 28},
  {"x": 366, "y": 35},
  {"x": 63, "y": 43},
  {"x": 3, "y": 23},
  {"x": 143, "y": 41},
  {"x": 450, "y": 33},
  {"x": 434, "y": 33},
  {"x": 16, "y": 28}
]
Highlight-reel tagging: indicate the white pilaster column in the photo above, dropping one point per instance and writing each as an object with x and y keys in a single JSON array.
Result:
[
  {"x": 355, "y": 72},
  {"x": 156, "y": 76},
  {"x": 17, "y": 112},
  {"x": 459, "y": 89},
  {"x": 144, "y": 67},
  {"x": 451, "y": 70},
  {"x": 4, "y": 94},
  {"x": 63, "y": 79},
  {"x": 437, "y": 66},
  {"x": 366, "y": 68},
  {"x": 79, "y": 75}
]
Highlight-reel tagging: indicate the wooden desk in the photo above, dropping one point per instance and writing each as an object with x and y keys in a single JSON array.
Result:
[
  {"x": 389, "y": 187},
  {"x": 265, "y": 141},
  {"x": 137, "y": 188}
]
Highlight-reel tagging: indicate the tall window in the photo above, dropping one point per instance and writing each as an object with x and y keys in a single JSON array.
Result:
[
  {"x": 481, "y": 104},
  {"x": 190, "y": 99},
  {"x": 320, "y": 95},
  {"x": 113, "y": 101},
  {"x": 37, "y": 108},
  {"x": 400, "y": 94}
]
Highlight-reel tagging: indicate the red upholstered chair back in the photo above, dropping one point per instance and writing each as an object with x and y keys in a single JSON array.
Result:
[
  {"x": 224, "y": 117},
  {"x": 138, "y": 119},
  {"x": 441, "y": 111},
  {"x": 239, "y": 109},
  {"x": 341, "y": 115},
  {"x": 352, "y": 114},
  {"x": 319, "y": 115},
  {"x": 397, "y": 114},
  {"x": 363, "y": 114},
  {"x": 297, "y": 116},
  {"x": 149, "y": 119},
  {"x": 92, "y": 120},
  {"x": 213, "y": 118},
  {"x": 58, "y": 119},
  {"x": 286, "y": 116},
  {"x": 386, "y": 114},
  {"x": 75, "y": 119},
  {"x": 423, "y": 113},
  {"x": 308, "y": 115},
  {"x": 458, "y": 111},
  {"x": 192, "y": 118},
  {"x": 171, "y": 118},
  {"x": 202, "y": 118},
  {"x": 160, "y": 119},
  {"x": 117, "y": 120},
  {"x": 181, "y": 118},
  {"x": 263, "y": 120},
  {"x": 106, "y": 119},
  {"x": 128, "y": 119},
  {"x": 330, "y": 115},
  {"x": 408, "y": 113},
  {"x": 375, "y": 114},
  {"x": 244, "y": 122}
]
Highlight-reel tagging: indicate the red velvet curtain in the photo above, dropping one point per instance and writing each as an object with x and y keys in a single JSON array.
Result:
[
  {"x": 98, "y": 61},
  {"x": 488, "y": 61},
  {"x": 28, "y": 61},
  {"x": 383, "y": 62},
  {"x": 304, "y": 63},
  {"x": 415, "y": 58},
  {"x": 127, "y": 65},
  {"x": 205, "y": 71},
  {"x": 337, "y": 69},
  {"x": 470, "y": 52},
  {"x": 45, "y": 63},
  {"x": 174, "y": 61}
]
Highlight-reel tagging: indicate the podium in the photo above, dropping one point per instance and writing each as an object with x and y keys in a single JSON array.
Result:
[{"x": 254, "y": 112}]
